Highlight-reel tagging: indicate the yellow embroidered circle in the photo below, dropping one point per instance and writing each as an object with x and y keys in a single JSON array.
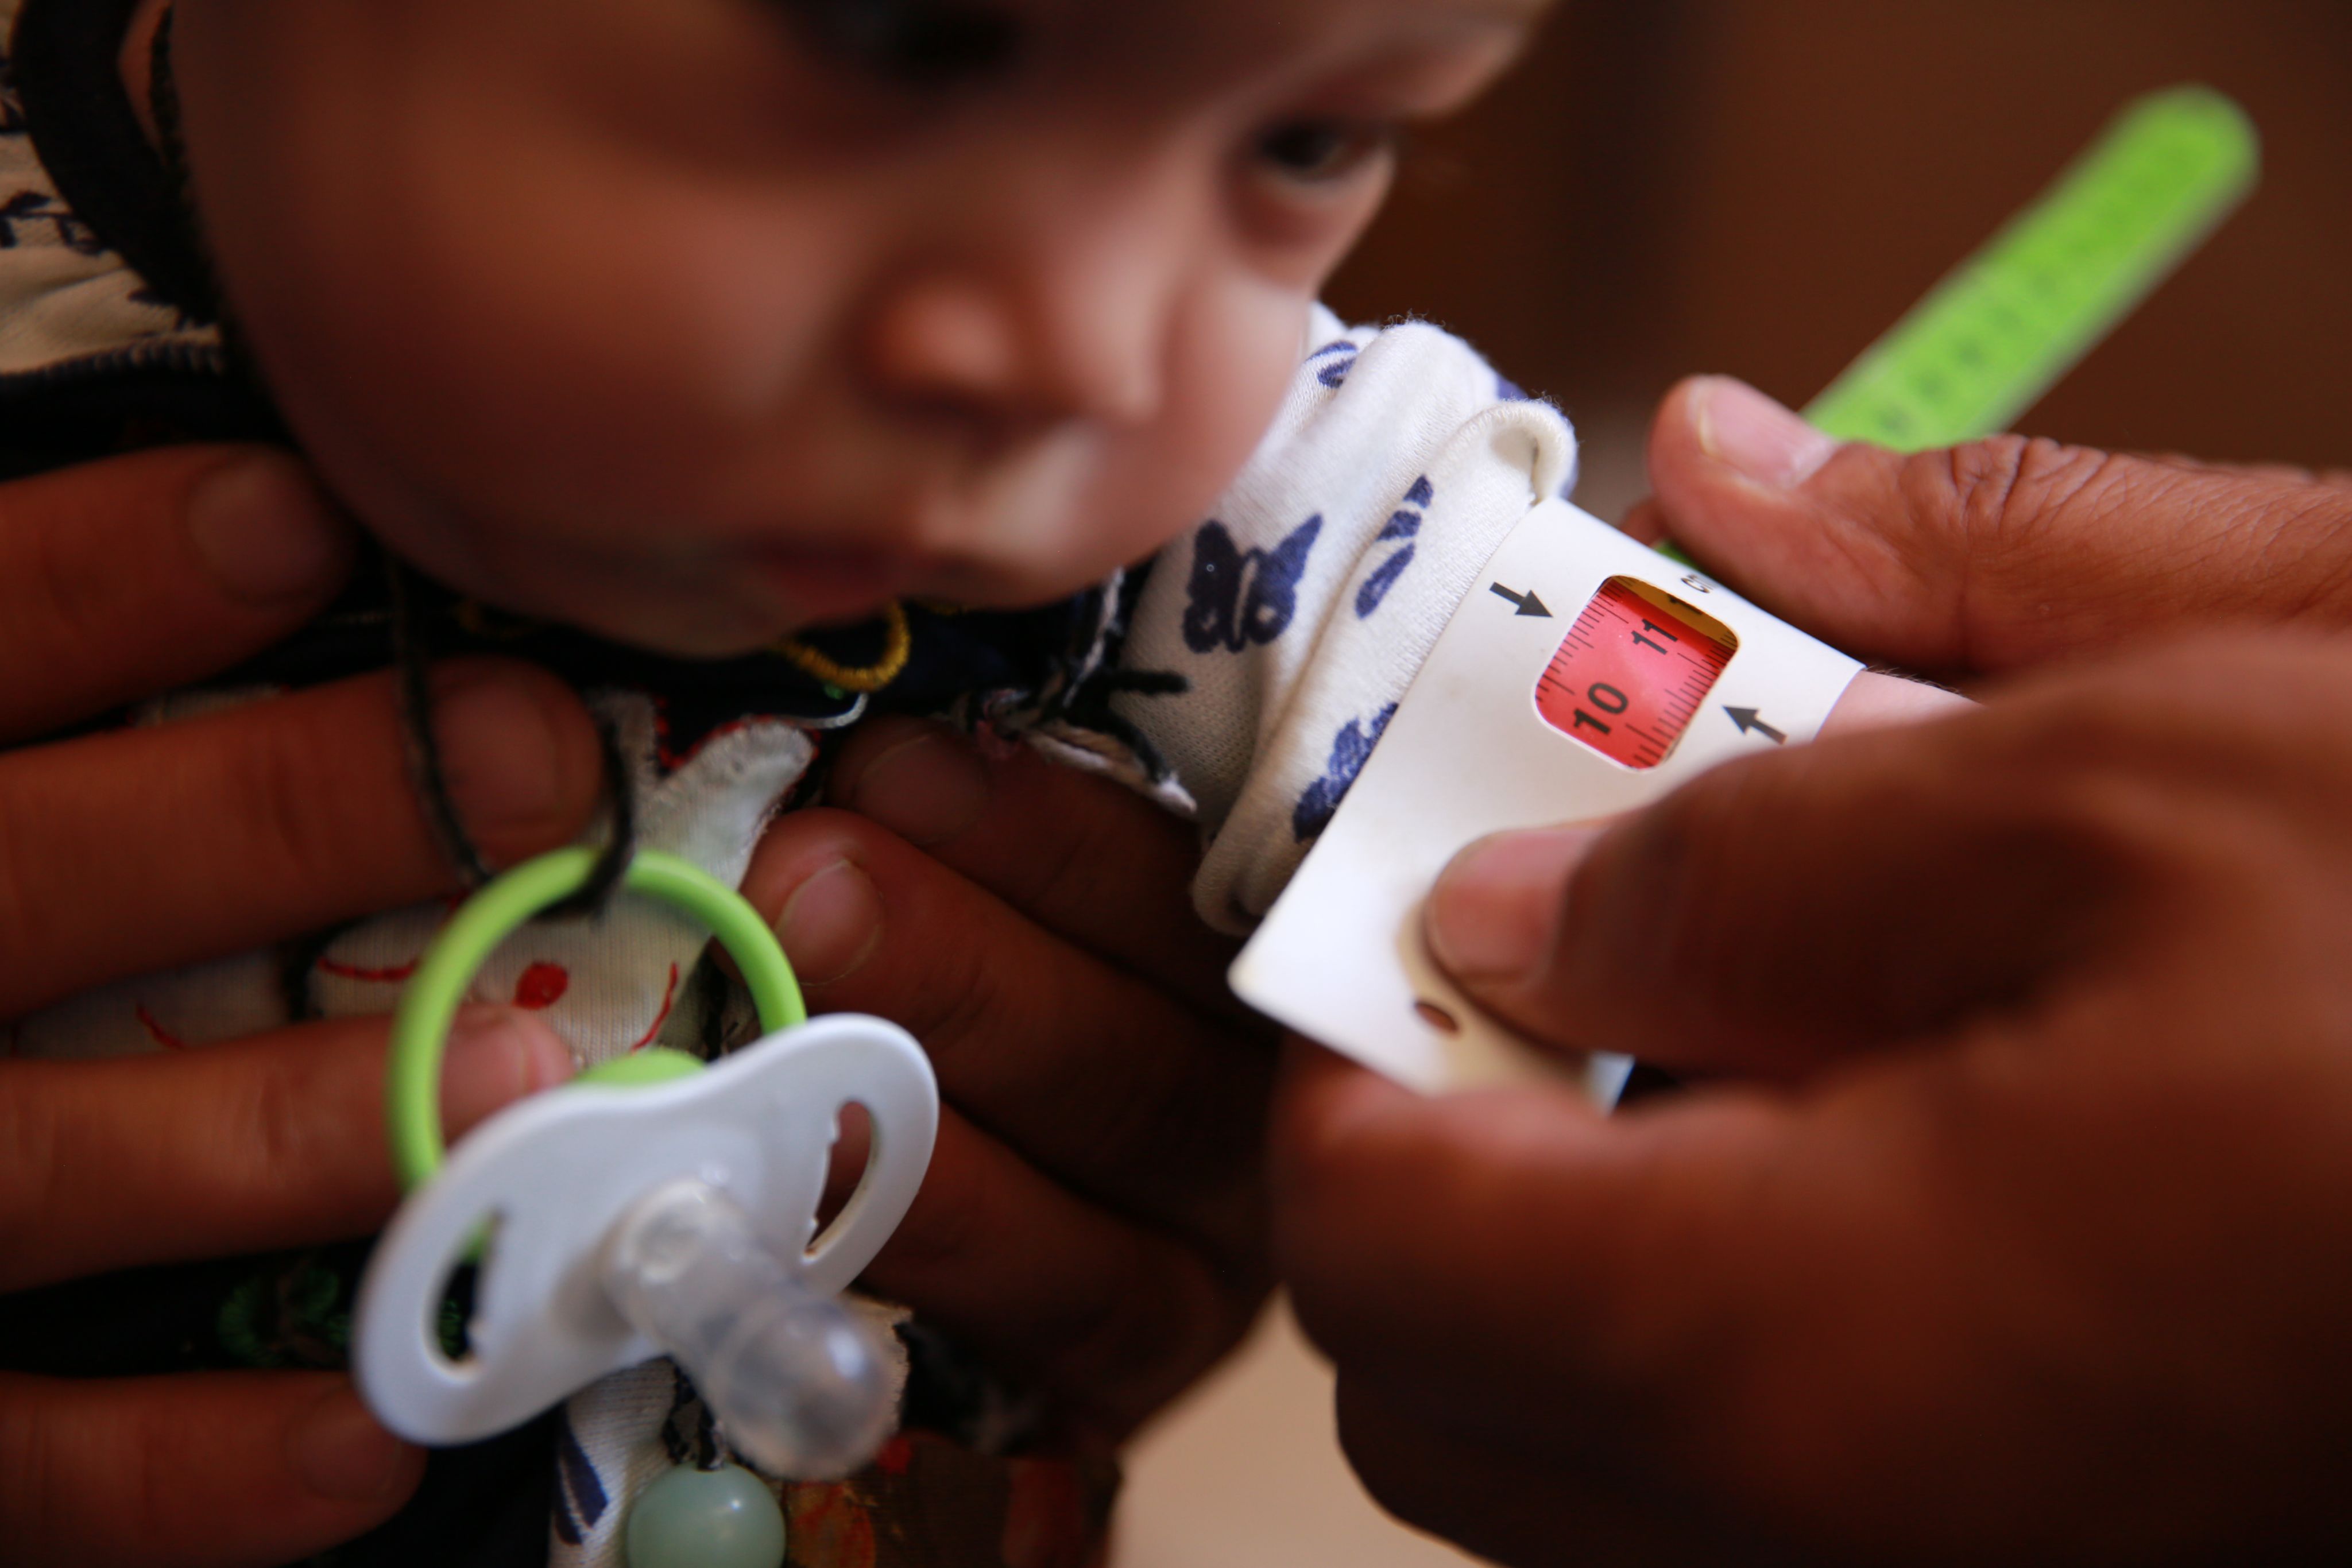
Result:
[{"x": 897, "y": 646}]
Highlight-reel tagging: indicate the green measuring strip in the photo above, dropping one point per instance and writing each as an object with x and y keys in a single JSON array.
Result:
[{"x": 1999, "y": 332}]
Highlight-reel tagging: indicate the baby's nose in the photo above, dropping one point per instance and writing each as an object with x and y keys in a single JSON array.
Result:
[{"x": 1046, "y": 347}]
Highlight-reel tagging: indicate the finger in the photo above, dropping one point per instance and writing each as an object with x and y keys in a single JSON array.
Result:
[
  {"x": 1097, "y": 1077},
  {"x": 1842, "y": 1318},
  {"x": 203, "y": 1471},
  {"x": 1734, "y": 1298},
  {"x": 1111, "y": 1318},
  {"x": 267, "y": 1142},
  {"x": 1495, "y": 909},
  {"x": 1775, "y": 915},
  {"x": 137, "y": 850},
  {"x": 1531, "y": 1182},
  {"x": 143, "y": 573},
  {"x": 1092, "y": 862},
  {"x": 1992, "y": 556},
  {"x": 1512, "y": 1502}
]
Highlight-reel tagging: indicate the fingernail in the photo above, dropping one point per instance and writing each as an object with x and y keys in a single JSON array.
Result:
[
  {"x": 339, "y": 1452},
  {"x": 501, "y": 750},
  {"x": 926, "y": 788},
  {"x": 1743, "y": 429},
  {"x": 831, "y": 922},
  {"x": 1492, "y": 914},
  {"x": 497, "y": 1056},
  {"x": 266, "y": 534}
]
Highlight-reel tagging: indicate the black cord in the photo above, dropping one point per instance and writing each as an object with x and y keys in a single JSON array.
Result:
[
  {"x": 620, "y": 841},
  {"x": 411, "y": 634},
  {"x": 412, "y": 627}
]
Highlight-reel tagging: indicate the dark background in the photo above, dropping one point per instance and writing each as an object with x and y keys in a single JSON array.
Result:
[{"x": 1764, "y": 186}]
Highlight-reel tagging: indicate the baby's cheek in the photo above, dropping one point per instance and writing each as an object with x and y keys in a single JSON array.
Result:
[{"x": 1229, "y": 363}]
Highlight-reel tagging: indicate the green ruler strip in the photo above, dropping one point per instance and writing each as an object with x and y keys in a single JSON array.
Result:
[{"x": 1984, "y": 346}]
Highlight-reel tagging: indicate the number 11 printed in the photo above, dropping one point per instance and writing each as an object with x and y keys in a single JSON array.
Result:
[{"x": 1633, "y": 671}]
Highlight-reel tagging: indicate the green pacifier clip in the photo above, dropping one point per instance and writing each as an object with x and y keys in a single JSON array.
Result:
[
  {"x": 420, "y": 1029},
  {"x": 723, "y": 1517}
]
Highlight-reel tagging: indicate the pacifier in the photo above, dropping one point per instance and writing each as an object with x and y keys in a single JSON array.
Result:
[{"x": 652, "y": 1207}]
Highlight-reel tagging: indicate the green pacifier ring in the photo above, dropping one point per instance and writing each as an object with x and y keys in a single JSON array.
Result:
[{"x": 420, "y": 1029}]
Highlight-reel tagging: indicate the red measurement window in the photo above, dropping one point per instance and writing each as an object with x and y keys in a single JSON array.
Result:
[{"x": 1633, "y": 671}]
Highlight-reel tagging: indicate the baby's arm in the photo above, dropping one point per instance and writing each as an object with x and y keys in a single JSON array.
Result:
[{"x": 1291, "y": 623}]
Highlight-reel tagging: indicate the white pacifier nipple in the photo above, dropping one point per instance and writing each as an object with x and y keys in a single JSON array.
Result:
[{"x": 799, "y": 1383}]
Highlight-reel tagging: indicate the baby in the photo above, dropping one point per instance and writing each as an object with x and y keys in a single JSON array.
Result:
[{"x": 755, "y": 362}]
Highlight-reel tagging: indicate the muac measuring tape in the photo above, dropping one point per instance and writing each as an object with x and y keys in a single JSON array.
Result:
[
  {"x": 1663, "y": 672},
  {"x": 2012, "y": 320},
  {"x": 1986, "y": 343},
  {"x": 652, "y": 1207}
]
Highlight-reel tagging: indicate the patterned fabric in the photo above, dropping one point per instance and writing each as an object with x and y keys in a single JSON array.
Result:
[
  {"x": 926, "y": 1502},
  {"x": 608, "y": 985},
  {"x": 1285, "y": 631},
  {"x": 68, "y": 305}
]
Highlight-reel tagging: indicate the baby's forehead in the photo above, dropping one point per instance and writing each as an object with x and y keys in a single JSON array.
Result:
[
  {"x": 1264, "y": 24},
  {"x": 1269, "y": 18},
  {"x": 1192, "y": 47}
]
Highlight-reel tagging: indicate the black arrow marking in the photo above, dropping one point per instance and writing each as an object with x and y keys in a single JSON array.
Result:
[
  {"x": 1745, "y": 717},
  {"x": 1527, "y": 602}
]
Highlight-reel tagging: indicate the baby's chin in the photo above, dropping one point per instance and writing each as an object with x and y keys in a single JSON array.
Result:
[
  {"x": 711, "y": 592},
  {"x": 651, "y": 606},
  {"x": 743, "y": 604},
  {"x": 724, "y": 621}
]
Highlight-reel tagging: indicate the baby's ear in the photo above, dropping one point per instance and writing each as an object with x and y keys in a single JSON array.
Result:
[{"x": 1876, "y": 700}]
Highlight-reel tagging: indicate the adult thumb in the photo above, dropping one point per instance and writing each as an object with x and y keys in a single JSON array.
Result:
[
  {"x": 1989, "y": 557},
  {"x": 1785, "y": 911}
]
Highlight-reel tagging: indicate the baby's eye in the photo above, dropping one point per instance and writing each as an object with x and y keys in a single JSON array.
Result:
[
  {"x": 911, "y": 43},
  {"x": 1317, "y": 152}
]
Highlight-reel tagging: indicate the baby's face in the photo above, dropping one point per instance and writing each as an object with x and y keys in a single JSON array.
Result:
[{"x": 697, "y": 321}]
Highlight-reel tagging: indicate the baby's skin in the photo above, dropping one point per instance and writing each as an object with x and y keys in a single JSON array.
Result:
[{"x": 694, "y": 322}]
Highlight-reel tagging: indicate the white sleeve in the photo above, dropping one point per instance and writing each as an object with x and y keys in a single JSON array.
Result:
[{"x": 1299, "y": 612}]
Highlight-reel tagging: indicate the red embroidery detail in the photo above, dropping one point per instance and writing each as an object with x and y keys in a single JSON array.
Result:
[
  {"x": 828, "y": 1524},
  {"x": 671, "y": 760},
  {"x": 541, "y": 986},
  {"x": 662, "y": 753},
  {"x": 392, "y": 976},
  {"x": 156, "y": 1032},
  {"x": 661, "y": 1017},
  {"x": 1046, "y": 1521}
]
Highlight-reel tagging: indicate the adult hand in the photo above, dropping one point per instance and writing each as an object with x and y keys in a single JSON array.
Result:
[
  {"x": 1093, "y": 1221},
  {"x": 1992, "y": 557},
  {"x": 123, "y": 851},
  {"x": 2008, "y": 1227}
]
